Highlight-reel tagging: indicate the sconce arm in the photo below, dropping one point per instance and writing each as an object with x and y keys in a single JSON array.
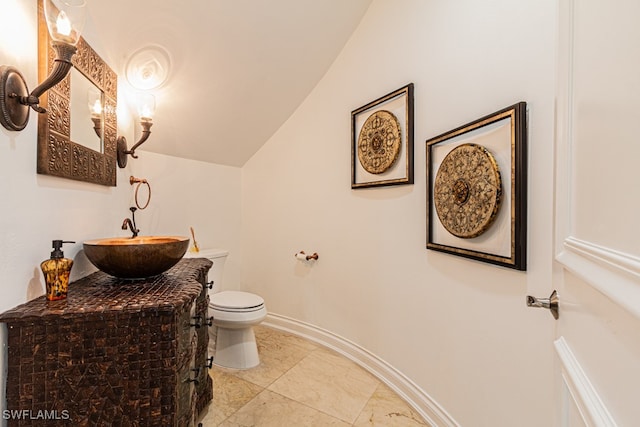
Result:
[
  {"x": 146, "y": 126},
  {"x": 15, "y": 98},
  {"x": 61, "y": 66},
  {"x": 97, "y": 125},
  {"x": 122, "y": 150}
]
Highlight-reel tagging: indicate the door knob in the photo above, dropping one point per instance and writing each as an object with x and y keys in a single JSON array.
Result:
[{"x": 551, "y": 303}]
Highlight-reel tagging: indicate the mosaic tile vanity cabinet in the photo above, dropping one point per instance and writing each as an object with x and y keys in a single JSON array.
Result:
[{"x": 114, "y": 352}]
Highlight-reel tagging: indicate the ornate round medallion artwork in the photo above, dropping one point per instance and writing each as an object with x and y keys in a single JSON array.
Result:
[
  {"x": 467, "y": 191},
  {"x": 379, "y": 142}
]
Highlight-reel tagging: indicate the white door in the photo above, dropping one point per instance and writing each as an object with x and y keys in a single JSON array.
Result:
[{"x": 597, "y": 265}]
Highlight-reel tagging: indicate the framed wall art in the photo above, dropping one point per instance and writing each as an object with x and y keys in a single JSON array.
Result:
[
  {"x": 382, "y": 141},
  {"x": 477, "y": 189}
]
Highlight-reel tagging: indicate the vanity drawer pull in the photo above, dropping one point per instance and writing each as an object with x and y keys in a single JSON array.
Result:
[
  {"x": 209, "y": 363},
  {"x": 194, "y": 380},
  {"x": 209, "y": 285},
  {"x": 198, "y": 322}
]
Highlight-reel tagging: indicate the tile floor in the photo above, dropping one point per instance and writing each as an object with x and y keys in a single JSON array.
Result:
[{"x": 300, "y": 383}]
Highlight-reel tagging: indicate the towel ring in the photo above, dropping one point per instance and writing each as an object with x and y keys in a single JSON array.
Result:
[{"x": 140, "y": 181}]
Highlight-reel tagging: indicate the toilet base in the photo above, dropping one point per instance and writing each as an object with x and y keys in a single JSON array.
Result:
[{"x": 236, "y": 348}]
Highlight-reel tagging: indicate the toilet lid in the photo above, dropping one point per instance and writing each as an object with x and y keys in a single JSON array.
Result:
[{"x": 235, "y": 299}]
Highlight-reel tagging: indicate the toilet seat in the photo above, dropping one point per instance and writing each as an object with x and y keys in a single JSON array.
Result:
[
  {"x": 236, "y": 301},
  {"x": 236, "y": 310}
]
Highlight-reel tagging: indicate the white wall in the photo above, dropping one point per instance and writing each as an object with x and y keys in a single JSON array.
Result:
[
  {"x": 37, "y": 209},
  {"x": 188, "y": 193},
  {"x": 458, "y": 328}
]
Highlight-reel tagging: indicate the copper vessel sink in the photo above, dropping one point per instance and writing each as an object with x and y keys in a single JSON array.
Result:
[{"x": 136, "y": 257}]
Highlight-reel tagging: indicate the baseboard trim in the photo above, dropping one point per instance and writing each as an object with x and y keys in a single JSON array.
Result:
[{"x": 420, "y": 401}]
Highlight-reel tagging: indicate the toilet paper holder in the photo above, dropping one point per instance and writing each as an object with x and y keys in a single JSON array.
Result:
[{"x": 304, "y": 257}]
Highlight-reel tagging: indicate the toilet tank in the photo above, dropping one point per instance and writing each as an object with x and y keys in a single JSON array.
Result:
[{"x": 218, "y": 257}]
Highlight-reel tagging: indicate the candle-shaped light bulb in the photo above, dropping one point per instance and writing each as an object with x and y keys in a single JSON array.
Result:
[
  {"x": 146, "y": 113},
  {"x": 63, "y": 25},
  {"x": 96, "y": 109},
  {"x": 94, "y": 101},
  {"x": 146, "y": 106}
]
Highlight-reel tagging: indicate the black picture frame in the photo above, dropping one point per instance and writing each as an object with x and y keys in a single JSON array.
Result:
[
  {"x": 504, "y": 135},
  {"x": 400, "y": 104}
]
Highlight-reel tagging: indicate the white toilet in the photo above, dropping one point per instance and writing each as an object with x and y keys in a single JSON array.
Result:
[{"x": 234, "y": 314}]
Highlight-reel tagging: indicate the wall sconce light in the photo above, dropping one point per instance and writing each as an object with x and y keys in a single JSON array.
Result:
[
  {"x": 146, "y": 108},
  {"x": 65, "y": 19}
]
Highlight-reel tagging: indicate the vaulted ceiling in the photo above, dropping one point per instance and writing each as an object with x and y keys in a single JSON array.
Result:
[{"x": 238, "y": 68}]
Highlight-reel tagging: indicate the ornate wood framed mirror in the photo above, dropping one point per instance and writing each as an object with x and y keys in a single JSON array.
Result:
[{"x": 73, "y": 141}]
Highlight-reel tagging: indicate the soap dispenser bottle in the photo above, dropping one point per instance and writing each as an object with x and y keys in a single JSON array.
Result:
[{"x": 56, "y": 272}]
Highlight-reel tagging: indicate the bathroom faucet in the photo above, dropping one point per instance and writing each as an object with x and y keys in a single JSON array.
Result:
[{"x": 131, "y": 223}]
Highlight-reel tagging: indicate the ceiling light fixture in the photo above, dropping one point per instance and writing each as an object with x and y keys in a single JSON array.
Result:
[
  {"x": 148, "y": 67},
  {"x": 65, "y": 19}
]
